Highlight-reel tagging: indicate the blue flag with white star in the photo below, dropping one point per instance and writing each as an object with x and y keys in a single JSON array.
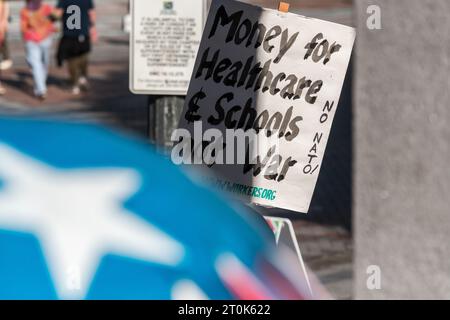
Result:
[{"x": 86, "y": 213}]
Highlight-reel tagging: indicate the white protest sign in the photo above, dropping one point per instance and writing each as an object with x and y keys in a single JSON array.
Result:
[
  {"x": 276, "y": 75},
  {"x": 164, "y": 39}
]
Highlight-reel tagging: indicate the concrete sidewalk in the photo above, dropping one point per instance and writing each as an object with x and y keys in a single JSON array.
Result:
[{"x": 108, "y": 101}]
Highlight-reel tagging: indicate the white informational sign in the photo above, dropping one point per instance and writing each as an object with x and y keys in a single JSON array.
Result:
[
  {"x": 276, "y": 75},
  {"x": 164, "y": 39}
]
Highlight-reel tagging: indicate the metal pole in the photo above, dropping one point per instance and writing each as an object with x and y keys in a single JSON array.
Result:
[{"x": 163, "y": 116}]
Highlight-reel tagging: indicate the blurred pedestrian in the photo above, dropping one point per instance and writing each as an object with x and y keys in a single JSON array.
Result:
[
  {"x": 76, "y": 41},
  {"x": 37, "y": 28},
  {"x": 5, "y": 61}
]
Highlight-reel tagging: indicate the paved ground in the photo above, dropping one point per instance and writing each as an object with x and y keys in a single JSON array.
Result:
[
  {"x": 109, "y": 99},
  {"x": 327, "y": 250}
]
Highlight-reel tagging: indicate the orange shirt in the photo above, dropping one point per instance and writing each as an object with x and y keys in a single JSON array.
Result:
[{"x": 36, "y": 26}]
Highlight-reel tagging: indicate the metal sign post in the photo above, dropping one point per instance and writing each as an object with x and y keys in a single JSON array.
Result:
[{"x": 164, "y": 40}]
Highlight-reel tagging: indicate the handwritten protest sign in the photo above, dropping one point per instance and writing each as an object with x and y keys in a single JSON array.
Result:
[{"x": 278, "y": 75}]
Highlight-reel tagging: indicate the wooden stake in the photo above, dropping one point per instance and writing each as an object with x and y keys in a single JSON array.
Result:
[{"x": 283, "y": 7}]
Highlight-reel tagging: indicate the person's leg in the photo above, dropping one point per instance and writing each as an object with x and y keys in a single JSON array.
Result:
[
  {"x": 2, "y": 89},
  {"x": 83, "y": 82},
  {"x": 74, "y": 71},
  {"x": 5, "y": 63},
  {"x": 5, "y": 48},
  {"x": 46, "y": 46},
  {"x": 34, "y": 59},
  {"x": 84, "y": 61}
]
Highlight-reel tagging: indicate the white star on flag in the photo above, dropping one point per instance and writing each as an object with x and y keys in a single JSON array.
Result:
[{"x": 78, "y": 217}]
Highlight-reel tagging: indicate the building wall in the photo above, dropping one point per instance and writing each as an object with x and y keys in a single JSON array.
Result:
[{"x": 402, "y": 149}]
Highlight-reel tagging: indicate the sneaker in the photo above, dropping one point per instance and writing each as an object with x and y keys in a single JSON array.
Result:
[
  {"x": 6, "y": 64},
  {"x": 83, "y": 83},
  {"x": 41, "y": 96},
  {"x": 76, "y": 90}
]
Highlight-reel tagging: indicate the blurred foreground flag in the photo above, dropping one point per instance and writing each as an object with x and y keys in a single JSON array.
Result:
[{"x": 89, "y": 214}]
